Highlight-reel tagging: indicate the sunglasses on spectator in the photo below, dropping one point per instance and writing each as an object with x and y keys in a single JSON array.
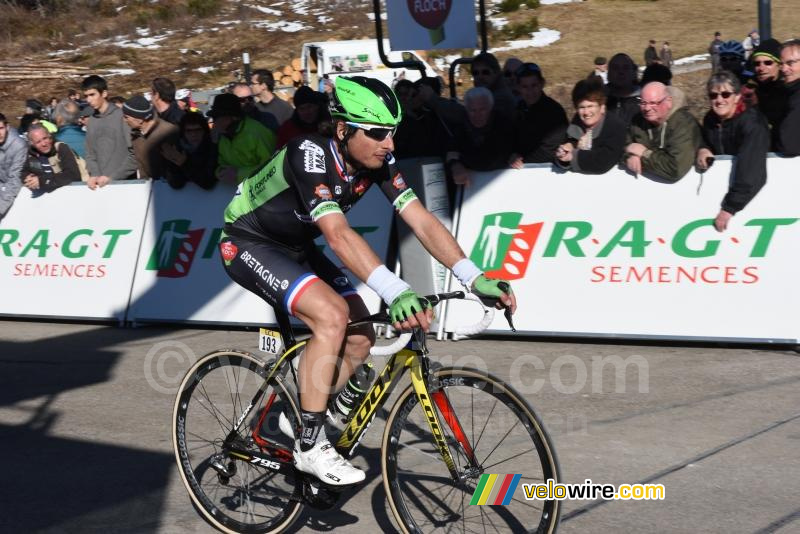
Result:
[
  {"x": 766, "y": 63},
  {"x": 378, "y": 133},
  {"x": 528, "y": 68},
  {"x": 712, "y": 95},
  {"x": 482, "y": 72}
]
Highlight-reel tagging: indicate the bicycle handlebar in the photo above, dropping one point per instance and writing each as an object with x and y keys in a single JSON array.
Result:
[{"x": 471, "y": 330}]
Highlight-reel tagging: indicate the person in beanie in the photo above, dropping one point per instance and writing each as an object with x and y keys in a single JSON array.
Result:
[
  {"x": 109, "y": 153},
  {"x": 767, "y": 84},
  {"x": 148, "y": 133},
  {"x": 308, "y": 114}
]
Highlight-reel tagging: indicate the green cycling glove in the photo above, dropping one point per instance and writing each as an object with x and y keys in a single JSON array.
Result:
[
  {"x": 406, "y": 305},
  {"x": 490, "y": 290}
]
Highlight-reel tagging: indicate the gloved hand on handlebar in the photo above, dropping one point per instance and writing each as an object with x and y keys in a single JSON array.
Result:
[
  {"x": 409, "y": 310},
  {"x": 495, "y": 293}
]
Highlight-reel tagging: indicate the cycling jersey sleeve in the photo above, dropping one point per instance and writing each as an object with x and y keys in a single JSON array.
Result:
[
  {"x": 311, "y": 169},
  {"x": 394, "y": 186}
]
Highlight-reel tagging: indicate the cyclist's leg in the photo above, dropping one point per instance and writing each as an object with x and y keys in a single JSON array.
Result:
[{"x": 359, "y": 341}]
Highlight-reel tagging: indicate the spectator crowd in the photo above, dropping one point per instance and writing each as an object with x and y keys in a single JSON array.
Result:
[{"x": 640, "y": 123}]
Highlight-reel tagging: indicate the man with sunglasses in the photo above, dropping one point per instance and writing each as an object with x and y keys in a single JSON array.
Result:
[
  {"x": 789, "y": 135},
  {"x": 767, "y": 85},
  {"x": 486, "y": 73},
  {"x": 268, "y": 248}
]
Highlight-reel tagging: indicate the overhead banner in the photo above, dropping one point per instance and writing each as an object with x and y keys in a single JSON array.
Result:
[
  {"x": 180, "y": 276},
  {"x": 430, "y": 24},
  {"x": 614, "y": 255},
  {"x": 71, "y": 253}
]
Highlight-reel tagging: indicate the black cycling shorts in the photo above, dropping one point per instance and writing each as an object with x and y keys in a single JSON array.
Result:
[{"x": 280, "y": 274}]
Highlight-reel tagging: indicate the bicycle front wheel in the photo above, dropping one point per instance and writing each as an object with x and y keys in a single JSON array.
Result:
[
  {"x": 490, "y": 430},
  {"x": 234, "y": 493}
]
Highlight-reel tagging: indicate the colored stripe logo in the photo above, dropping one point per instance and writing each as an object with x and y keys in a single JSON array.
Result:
[{"x": 495, "y": 490}]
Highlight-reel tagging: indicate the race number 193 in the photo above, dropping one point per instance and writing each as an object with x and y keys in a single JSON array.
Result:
[{"x": 269, "y": 341}]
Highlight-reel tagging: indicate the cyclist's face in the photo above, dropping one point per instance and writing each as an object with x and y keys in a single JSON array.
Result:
[{"x": 367, "y": 151}]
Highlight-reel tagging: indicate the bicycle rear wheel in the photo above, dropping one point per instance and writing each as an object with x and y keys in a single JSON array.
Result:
[
  {"x": 232, "y": 493},
  {"x": 497, "y": 428}
]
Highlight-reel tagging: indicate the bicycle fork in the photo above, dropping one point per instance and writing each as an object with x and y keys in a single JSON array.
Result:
[{"x": 420, "y": 375}]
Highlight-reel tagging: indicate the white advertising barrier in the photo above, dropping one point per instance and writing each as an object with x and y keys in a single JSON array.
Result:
[
  {"x": 180, "y": 278},
  {"x": 429, "y": 24},
  {"x": 615, "y": 255},
  {"x": 71, "y": 253}
]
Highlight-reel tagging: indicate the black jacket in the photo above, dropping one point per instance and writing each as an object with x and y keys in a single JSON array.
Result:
[
  {"x": 539, "y": 130},
  {"x": 624, "y": 108},
  {"x": 487, "y": 148},
  {"x": 54, "y": 170},
  {"x": 745, "y": 136},
  {"x": 789, "y": 136},
  {"x": 772, "y": 104},
  {"x": 608, "y": 146}
]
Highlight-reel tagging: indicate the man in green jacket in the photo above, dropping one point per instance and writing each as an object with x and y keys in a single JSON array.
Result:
[
  {"x": 663, "y": 137},
  {"x": 244, "y": 143}
]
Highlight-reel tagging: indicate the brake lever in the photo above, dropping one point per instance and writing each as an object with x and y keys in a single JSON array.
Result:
[{"x": 504, "y": 287}]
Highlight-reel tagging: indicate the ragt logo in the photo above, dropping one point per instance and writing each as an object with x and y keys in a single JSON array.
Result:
[
  {"x": 176, "y": 248},
  {"x": 504, "y": 247}
]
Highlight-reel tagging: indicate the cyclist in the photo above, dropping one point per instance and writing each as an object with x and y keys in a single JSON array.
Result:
[{"x": 268, "y": 248}]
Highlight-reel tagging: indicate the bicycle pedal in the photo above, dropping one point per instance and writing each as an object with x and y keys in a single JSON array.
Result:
[{"x": 320, "y": 495}]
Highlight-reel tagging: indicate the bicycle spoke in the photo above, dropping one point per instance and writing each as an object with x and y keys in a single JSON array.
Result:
[
  {"x": 475, "y": 447},
  {"x": 485, "y": 467},
  {"x": 501, "y": 441}
]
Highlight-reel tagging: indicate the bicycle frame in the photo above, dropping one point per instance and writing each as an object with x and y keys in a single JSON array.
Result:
[{"x": 413, "y": 358}]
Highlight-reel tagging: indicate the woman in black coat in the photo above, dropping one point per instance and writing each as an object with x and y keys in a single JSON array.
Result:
[
  {"x": 596, "y": 140},
  {"x": 731, "y": 128}
]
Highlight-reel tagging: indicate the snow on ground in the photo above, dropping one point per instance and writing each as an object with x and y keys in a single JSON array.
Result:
[
  {"x": 371, "y": 15},
  {"x": 499, "y": 22},
  {"x": 120, "y": 72},
  {"x": 205, "y": 70},
  {"x": 692, "y": 59},
  {"x": 540, "y": 38},
  {"x": 266, "y": 10},
  {"x": 281, "y": 25}
]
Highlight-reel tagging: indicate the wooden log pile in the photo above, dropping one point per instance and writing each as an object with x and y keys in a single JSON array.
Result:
[
  {"x": 28, "y": 69},
  {"x": 290, "y": 75}
]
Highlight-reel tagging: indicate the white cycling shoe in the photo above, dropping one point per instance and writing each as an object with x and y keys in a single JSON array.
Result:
[{"x": 326, "y": 464}]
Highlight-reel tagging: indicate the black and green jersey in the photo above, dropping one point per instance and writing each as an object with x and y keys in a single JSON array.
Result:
[{"x": 302, "y": 183}]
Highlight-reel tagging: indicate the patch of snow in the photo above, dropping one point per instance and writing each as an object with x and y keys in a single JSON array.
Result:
[
  {"x": 205, "y": 70},
  {"x": 266, "y": 10},
  {"x": 692, "y": 59},
  {"x": 300, "y": 7},
  {"x": 120, "y": 72},
  {"x": 322, "y": 19},
  {"x": 183, "y": 50},
  {"x": 281, "y": 25},
  {"x": 371, "y": 15},
  {"x": 228, "y": 22},
  {"x": 543, "y": 37},
  {"x": 144, "y": 32},
  {"x": 499, "y": 22}
]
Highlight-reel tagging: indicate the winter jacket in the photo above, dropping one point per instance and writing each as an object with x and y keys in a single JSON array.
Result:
[
  {"x": 624, "y": 108},
  {"x": 608, "y": 146},
  {"x": 74, "y": 136},
  {"x": 172, "y": 114},
  {"x": 745, "y": 136},
  {"x": 13, "y": 154},
  {"x": 539, "y": 130},
  {"x": 108, "y": 145},
  {"x": 147, "y": 148},
  {"x": 199, "y": 166},
  {"x": 280, "y": 109},
  {"x": 248, "y": 148},
  {"x": 421, "y": 134},
  {"x": 671, "y": 146},
  {"x": 789, "y": 136},
  {"x": 54, "y": 170},
  {"x": 487, "y": 148}
]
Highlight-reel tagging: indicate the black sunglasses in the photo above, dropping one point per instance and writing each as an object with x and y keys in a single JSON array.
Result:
[
  {"x": 712, "y": 95},
  {"x": 766, "y": 62}
]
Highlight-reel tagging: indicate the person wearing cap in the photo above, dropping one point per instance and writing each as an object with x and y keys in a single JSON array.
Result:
[
  {"x": 309, "y": 112},
  {"x": 540, "y": 122},
  {"x": 244, "y": 143},
  {"x": 35, "y": 110},
  {"x": 601, "y": 68},
  {"x": 789, "y": 130},
  {"x": 109, "y": 152},
  {"x": 767, "y": 85},
  {"x": 148, "y": 132}
]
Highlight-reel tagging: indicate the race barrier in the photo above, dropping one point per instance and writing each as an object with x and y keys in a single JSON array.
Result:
[
  {"x": 598, "y": 256},
  {"x": 619, "y": 256}
]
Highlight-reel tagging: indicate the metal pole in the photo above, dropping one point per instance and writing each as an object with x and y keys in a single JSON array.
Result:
[
  {"x": 246, "y": 61},
  {"x": 412, "y": 64},
  {"x": 765, "y": 19}
]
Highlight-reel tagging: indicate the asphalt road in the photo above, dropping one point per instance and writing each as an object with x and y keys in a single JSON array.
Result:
[{"x": 85, "y": 430}]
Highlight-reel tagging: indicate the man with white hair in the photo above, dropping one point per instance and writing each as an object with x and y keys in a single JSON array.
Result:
[{"x": 663, "y": 137}]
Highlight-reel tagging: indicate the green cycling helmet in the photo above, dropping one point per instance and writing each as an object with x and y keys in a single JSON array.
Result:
[{"x": 365, "y": 100}]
